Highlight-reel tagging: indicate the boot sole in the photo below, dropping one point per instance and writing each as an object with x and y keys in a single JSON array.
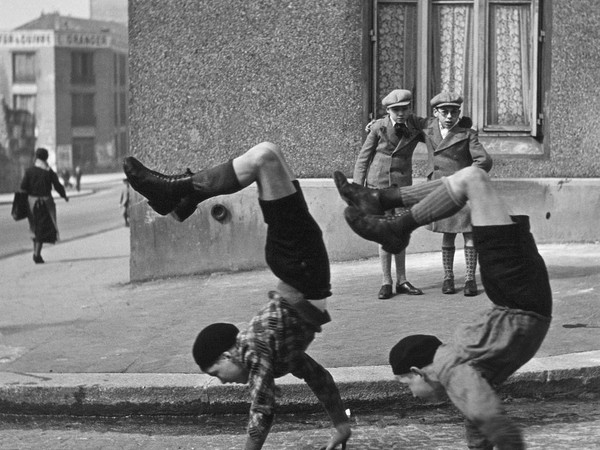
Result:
[{"x": 161, "y": 208}]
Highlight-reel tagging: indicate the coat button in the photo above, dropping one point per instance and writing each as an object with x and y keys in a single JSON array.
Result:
[{"x": 436, "y": 167}]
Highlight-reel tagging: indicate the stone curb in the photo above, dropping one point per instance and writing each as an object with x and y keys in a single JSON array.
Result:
[{"x": 117, "y": 394}]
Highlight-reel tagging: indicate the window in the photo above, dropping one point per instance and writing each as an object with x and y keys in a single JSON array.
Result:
[
  {"x": 115, "y": 69},
  {"x": 485, "y": 50},
  {"x": 24, "y": 103},
  {"x": 122, "y": 70},
  {"x": 120, "y": 108},
  {"x": 116, "y": 108},
  {"x": 82, "y": 110},
  {"x": 121, "y": 144},
  {"x": 82, "y": 68},
  {"x": 84, "y": 154},
  {"x": 24, "y": 67},
  {"x": 123, "y": 108}
]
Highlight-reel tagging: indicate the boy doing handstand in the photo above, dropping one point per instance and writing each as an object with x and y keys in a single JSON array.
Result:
[
  {"x": 486, "y": 352},
  {"x": 275, "y": 342}
]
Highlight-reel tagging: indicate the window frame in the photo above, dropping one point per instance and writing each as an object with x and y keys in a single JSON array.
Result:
[
  {"x": 81, "y": 147},
  {"x": 82, "y": 68},
  {"x": 481, "y": 30},
  {"x": 20, "y": 99},
  {"x": 123, "y": 108},
  {"x": 30, "y": 77},
  {"x": 122, "y": 57},
  {"x": 82, "y": 113}
]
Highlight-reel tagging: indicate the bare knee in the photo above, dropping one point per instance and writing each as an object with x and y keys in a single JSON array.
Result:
[
  {"x": 265, "y": 153},
  {"x": 471, "y": 177}
]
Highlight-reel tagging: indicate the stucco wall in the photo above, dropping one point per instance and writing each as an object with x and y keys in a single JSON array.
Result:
[
  {"x": 211, "y": 79},
  {"x": 560, "y": 210},
  {"x": 572, "y": 141}
]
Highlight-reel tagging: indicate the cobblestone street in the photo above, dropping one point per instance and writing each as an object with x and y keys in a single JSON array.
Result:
[{"x": 557, "y": 424}]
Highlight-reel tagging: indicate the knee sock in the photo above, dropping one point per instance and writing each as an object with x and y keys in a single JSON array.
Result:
[
  {"x": 400, "y": 261},
  {"x": 448, "y": 262},
  {"x": 439, "y": 204},
  {"x": 406, "y": 195},
  {"x": 217, "y": 180},
  {"x": 471, "y": 262},
  {"x": 385, "y": 259}
]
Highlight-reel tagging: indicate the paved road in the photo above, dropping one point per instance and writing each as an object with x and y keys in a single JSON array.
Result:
[
  {"x": 95, "y": 211},
  {"x": 560, "y": 424}
]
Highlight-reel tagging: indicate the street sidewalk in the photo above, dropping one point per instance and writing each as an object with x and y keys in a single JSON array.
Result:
[{"x": 77, "y": 337}]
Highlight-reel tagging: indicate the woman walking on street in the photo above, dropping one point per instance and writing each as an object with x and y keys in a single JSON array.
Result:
[{"x": 37, "y": 183}]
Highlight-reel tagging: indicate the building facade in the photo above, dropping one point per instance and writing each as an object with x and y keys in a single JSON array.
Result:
[
  {"x": 112, "y": 10},
  {"x": 211, "y": 79},
  {"x": 69, "y": 78}
]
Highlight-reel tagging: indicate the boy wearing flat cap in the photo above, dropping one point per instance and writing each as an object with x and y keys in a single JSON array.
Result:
[
  {"x": 385, "y": 160},
  {"x": 275, "y": 342},
  {"x": 486, "y": 352},
  {"x": 450, "y": 147}
]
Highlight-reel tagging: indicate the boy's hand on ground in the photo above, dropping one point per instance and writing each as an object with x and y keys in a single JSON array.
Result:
[{"x": 341, "y": 435}]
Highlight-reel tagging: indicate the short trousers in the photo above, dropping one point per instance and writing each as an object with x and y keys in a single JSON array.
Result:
[
  {"x": 513, "y": 273},
  {"x": 295, "y": 250},
  {"x": 496, "y": 343}
]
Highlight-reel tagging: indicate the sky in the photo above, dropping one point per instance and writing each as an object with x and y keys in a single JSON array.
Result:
[{"x": 14, "y": 13}]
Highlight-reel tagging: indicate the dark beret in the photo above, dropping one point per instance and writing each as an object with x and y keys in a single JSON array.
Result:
[
  {"x": 212, "y": 341},
  {"x": 416, "y": 350}
]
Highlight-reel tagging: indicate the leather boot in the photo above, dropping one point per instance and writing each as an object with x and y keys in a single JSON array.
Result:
[
  {"x": 364, "y": 199},
  {"x": 392, "y": 232},
  {"x": 162, "y": 191},
  {"x": 218, "y": 180}
]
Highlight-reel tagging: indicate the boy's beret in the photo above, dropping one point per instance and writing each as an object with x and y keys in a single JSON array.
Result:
[
  {"x": 212, "y": 341},
  {"x": 416, "y": 350}
]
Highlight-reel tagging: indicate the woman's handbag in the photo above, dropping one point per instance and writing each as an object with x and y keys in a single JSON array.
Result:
[{"x": 20, "y": 206}]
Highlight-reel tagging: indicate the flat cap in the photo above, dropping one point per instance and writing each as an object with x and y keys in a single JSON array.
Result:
[
  {"x": 446, "y": 99},
  {"x": 398, "y": 97},
  {"x": 416, "y": 350}
]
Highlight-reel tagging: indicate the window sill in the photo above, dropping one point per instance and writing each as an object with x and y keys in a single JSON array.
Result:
[
  {"x": 500, "y": 147},
  {"x": 520, "y": 146}
]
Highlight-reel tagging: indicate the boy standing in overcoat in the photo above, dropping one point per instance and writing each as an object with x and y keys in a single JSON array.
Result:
[
  {"x": 385, "y": 160},
  {"x": 450, "y": 148}
]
